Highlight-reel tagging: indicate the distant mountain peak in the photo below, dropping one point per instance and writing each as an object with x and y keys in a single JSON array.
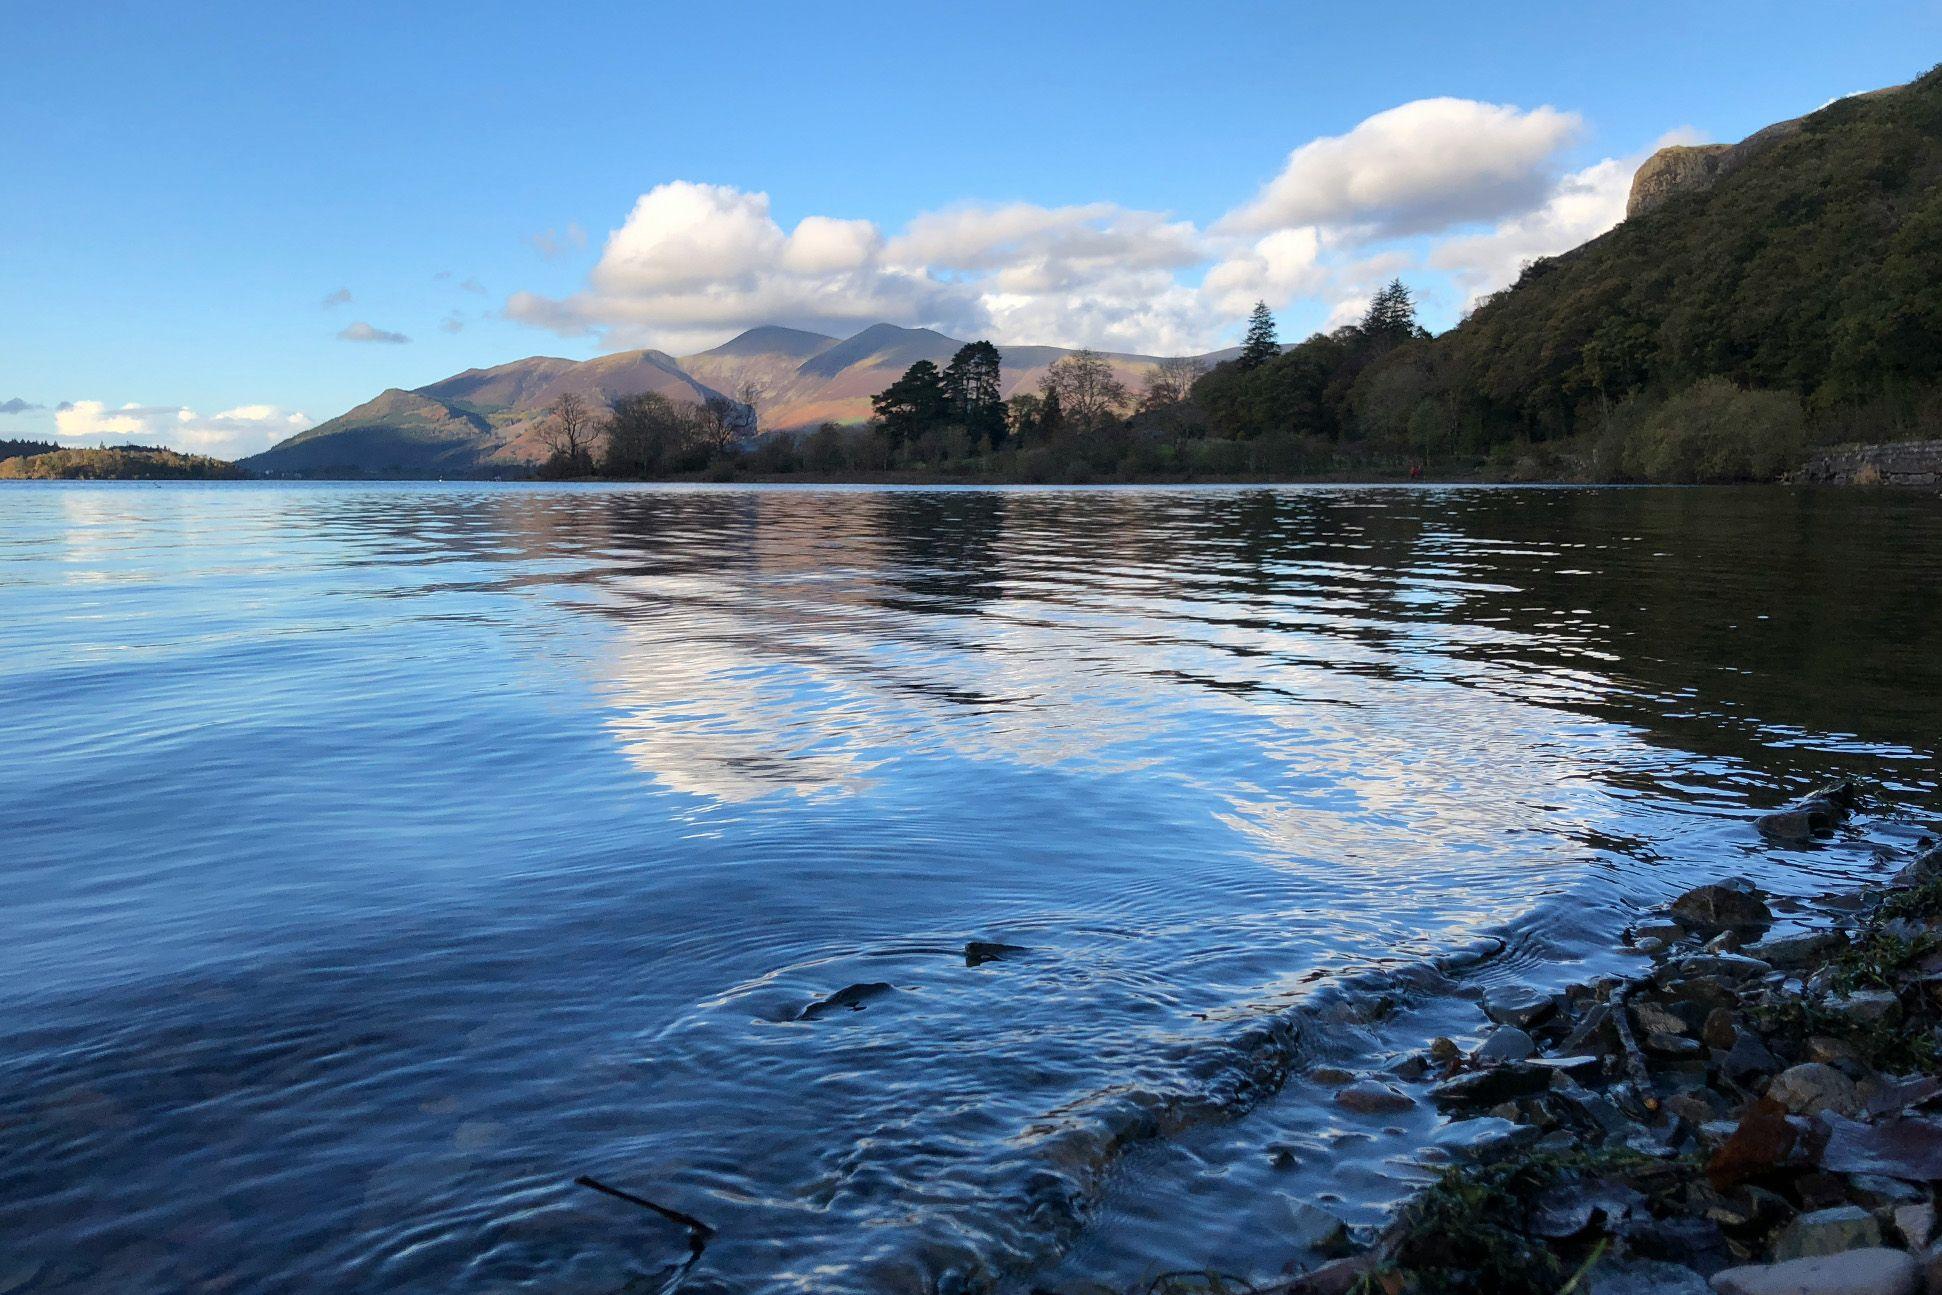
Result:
[{"x": 773, "y": 339}]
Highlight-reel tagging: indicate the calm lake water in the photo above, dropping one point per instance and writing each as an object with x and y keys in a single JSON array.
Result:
[{"x": 379, "y": 859}]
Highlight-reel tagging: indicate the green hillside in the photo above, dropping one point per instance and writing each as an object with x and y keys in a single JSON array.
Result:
[{"x": 1787, "y": 299}]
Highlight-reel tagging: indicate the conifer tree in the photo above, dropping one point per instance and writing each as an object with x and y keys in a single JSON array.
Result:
[{"x": 1259, "y": 346}]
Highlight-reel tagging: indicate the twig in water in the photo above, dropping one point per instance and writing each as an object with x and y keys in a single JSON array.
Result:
[{"x": 699, "y": 1233}]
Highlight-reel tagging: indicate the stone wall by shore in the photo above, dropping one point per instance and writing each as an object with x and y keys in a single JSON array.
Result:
[{"x": 1900, "y": 463}]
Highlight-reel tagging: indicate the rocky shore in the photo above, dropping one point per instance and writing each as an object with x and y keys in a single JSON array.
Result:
[{"x": 1757, "y": 1113}]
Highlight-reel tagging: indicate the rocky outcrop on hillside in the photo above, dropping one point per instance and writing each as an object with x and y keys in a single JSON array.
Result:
[{"x": 1690, "y": 168}]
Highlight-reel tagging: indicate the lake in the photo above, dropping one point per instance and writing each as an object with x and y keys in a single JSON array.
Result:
[{"x": 382, "y": 858}]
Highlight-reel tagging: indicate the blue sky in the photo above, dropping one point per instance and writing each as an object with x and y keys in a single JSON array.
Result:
[{"x": 187, "y": 184}]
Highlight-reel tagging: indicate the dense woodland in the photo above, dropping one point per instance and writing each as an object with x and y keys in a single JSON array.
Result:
[
  {"x": 112, "y": 463},
  {"x": 1713, "y": 338}
]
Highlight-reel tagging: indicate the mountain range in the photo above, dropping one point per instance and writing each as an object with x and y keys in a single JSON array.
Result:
[{"x": 484, "y": 421}]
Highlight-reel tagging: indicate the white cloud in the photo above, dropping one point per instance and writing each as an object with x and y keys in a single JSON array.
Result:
[
  {"x": 1580, "y": 207},
  {"x": 338, "y": 298},
  {"x": 1418, "y": 168},
  {"x": 1454, "y": 186},
  {"x": 695, "y": 262},
  {"x": 363, "y": 332},
  {"x": 230, "y": 434}
]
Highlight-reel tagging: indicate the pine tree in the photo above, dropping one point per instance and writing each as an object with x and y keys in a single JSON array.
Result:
[
  {"x": 1259, "y": 346},
  {"x": 1392, "y": 316},
  {"x": 971, "y": 390},
  {"x": 913, "y": 404}
]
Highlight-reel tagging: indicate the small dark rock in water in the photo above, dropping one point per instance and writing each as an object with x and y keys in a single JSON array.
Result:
[
  {"x": 1518, "y": 1005},
  {"x": 1490, "y": 1087},
  {"x": 1723, "y": 906},
  {"x": 1444, "y": 1051},
  {"x": 979, "y": 952},
  {"x": 1506, "y": 1043},
  {"x": 1805, "y": 819},
  {"x": 851, "y": 996}
]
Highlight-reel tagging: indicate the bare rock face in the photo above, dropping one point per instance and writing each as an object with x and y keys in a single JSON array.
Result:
[
  {"x": 1686, "y": 168},
  {"x": 1677, "y": 169}
]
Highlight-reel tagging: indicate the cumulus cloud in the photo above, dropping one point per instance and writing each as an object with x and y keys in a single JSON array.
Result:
[
  {"x": 340, "y": 297},
  {"x": 1419, "y": 168},
  {"x": 16, "y": 405},
  {"x": 363, "y": 332},
  {"x": 1453, "y": 186},
  {"x": 230, "y": 434},
  {"x": 1580, "y": 207},
  {"x": 695, "y": 261}
]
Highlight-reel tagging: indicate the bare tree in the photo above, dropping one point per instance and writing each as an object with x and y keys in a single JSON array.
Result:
[
  {"x": 1171, "y": 382},
  {"x": 1090, "y": 393},
  {"x": 570, "y": 430},
  {"x": 721, "y": 421},
  {"x": 750, "y": 393}
]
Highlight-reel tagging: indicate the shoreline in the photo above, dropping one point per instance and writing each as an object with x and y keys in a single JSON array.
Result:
[{"x": 1751, "y": 1114}]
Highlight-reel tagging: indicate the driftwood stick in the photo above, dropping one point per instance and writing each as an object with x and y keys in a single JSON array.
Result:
[
  {"x": 699, "y": 1233},
  {"x": 1634, "y": 1059}
]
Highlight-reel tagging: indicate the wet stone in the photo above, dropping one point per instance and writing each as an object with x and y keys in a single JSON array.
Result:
[
  {"x": 1723, "y": 906},
  {"x": 1369, "y": 1097},
  {"x": 1507, "y": 1043},
  {"x": 1310, "y": 1227},
  {"x": 1518, "y": 1005},
  {"x": 1672, "y": 1045},
  {"x": 1484, "y": 1088}
]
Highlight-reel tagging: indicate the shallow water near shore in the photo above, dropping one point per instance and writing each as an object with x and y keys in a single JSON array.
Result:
[{"x": 381, "y": 858}]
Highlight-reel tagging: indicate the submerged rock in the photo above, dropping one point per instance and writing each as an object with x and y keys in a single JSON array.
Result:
[
  {"x": 1372, "y": 1098},
  {"x": 979, "y": 952},
  {"x": 1810, "y": 817},
  {"x": 1519, "y": 1005},
  {"x": 1722, "y": 906},
  {"x": 851, "y": 996}
]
